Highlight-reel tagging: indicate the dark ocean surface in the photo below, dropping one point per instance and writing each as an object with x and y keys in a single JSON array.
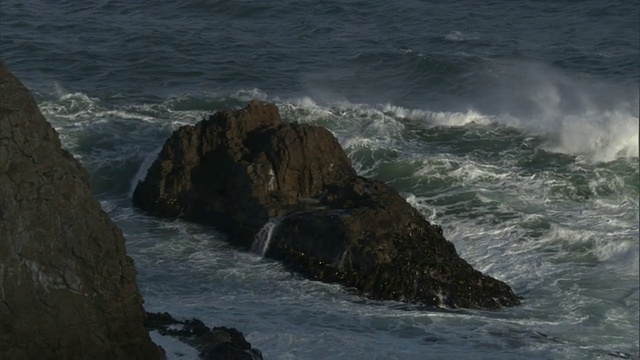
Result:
[{"x": 513, "y": 124}]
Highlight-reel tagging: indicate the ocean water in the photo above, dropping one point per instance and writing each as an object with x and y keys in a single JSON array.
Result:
[{"x": 513, "y": 124}]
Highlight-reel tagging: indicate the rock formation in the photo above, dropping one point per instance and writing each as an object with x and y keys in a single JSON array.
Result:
[
  {"x": 239, "y": 169},
  {"x": 219, "y": 343},
  {"x": 290, "y": 191},
  {"x": 67, "y": 288}
]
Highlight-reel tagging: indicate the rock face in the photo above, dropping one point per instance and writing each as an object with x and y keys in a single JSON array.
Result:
[
  {"x": 289, "y": 191},
  {"x": 238, "y": 169},
  {"x": 67, "y": 288}
]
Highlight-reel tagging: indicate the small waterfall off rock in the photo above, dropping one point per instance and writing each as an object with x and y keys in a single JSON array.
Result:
[{"x": 263, "y": 237}]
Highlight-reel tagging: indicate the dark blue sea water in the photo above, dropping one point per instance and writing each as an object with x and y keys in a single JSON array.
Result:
[{"x": 513, "y": 124}]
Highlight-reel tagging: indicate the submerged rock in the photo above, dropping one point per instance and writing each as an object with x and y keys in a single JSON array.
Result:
[
  {"x": 218, "y": 343},
  {"x": 289, "y": 191},
  {"x": 67, "y": 288}
]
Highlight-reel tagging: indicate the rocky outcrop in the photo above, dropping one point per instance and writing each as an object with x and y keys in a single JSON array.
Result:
[
  {"x": 67, "y": 288},
  {"x": 368, "y": 237},
  {"x": 238, "y": 169},
  {"x": 289, "y": 191},
  {"x": 218, "y": 343}
]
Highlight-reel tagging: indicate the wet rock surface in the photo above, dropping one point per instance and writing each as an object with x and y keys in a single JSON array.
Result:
[
  {"x": 289, "y": 191},
  {"x": 67, "y": 288},
  {"x": 218, "y": 343},
  {"x": 238, "y": 169}
]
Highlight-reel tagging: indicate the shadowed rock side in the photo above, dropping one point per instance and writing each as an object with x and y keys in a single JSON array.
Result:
[
  {"x": 67, "y": 288},
  {"x": 218, "y": 343},
  {"x": 289, "y": 191}
]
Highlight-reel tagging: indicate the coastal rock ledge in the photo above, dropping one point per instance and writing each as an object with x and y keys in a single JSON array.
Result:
[{"x": 288, "y": 191}]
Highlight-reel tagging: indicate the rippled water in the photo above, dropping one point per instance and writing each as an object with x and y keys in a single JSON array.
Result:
[{"x": 513, "y": 124}]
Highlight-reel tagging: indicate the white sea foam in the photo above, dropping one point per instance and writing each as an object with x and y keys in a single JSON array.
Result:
[
  {"x": 252, "y": 94},
  {"x": 422, "y": 205},
  {"x": 70, "y": 106},
  {"x": 354, "y": 125},
  {"x": 356, "y": 142},
  {"x": 602, "y": 136},
  {"x": 471, "y": 172},
  {"x": 438, "y": 118},
  {"x": 520, "y": 227},
  {"x": 622, "y": 254},
  {"x": 121, "y": 114},
  {"x": 584, "y": 117},
  {"x": 618, "y": 249},
  {"x": 79, "y": 109},
  {"x": 572, "y": 120},
  {"x": 174, "y": 348}
]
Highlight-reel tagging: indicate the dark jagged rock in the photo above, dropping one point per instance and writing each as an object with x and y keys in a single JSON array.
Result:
[
  {"x": 67, "y": 288},
  {"x": 218, "y": 343},
  {"x": 239, "y": 170},
  {"x": 368, "y": 237}
]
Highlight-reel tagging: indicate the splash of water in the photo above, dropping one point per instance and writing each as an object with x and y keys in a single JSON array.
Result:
[
  {"x": 264, "y": 236},
  {"x": 600, "y": 135}
]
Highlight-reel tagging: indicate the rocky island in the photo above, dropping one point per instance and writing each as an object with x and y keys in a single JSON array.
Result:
[{"x": 289, "y": 191}]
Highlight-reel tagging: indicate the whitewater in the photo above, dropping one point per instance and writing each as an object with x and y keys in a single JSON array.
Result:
[
  {"x": 559, "y": 226},
  {"x": 512, "y": 124}
]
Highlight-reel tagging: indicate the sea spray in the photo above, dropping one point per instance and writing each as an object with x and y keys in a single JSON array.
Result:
[
  {"x": 264, "y": 236},
  {"x": 142, "y": 171}
]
